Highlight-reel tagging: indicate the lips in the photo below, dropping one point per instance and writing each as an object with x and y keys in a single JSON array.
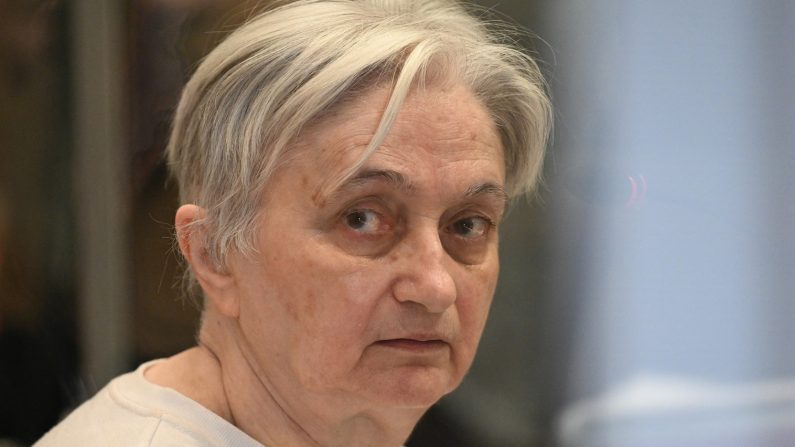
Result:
[{"x": 421, "y": 344}]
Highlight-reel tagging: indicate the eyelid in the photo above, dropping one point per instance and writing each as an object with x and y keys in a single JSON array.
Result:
[
  {"x": 389, "y": 217},
  {"x": 382, "y": 230},
  {"x": 368, "y": 203},
  {"x": 489, "y": 224},
  {"x": 491, "y": 216},
  {"x": 469, "y": 248}
]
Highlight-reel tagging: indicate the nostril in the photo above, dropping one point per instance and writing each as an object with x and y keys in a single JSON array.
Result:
[{"x": 404, "y": 289}]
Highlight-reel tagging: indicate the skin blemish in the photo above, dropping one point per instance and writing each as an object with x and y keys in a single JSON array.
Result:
[
  {"x": 291, "y": 310},
  {"x": 309, "y": 304},
  {"x": 318, "y": 198}
]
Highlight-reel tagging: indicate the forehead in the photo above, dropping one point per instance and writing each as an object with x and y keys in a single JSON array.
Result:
[{"x": 443, "y": 126}]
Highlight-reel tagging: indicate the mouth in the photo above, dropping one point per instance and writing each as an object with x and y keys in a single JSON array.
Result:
[{"x": 418, "y": 345}]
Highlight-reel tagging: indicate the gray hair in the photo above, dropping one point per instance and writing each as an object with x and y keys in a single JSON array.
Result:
[{"x": 285, "y": 69}]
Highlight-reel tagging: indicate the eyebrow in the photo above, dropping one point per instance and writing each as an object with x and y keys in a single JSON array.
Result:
[
  {"x": 488, "y": 189},
  {"x": 394, "y": 178},
  {"x": 401, "y": 182}
]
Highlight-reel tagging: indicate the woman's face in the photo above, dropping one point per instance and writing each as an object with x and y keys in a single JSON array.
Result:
[{"x": 377, "y": 291}]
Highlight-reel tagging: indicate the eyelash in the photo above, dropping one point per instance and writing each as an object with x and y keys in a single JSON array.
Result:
[{"x": 488, "y": 226}]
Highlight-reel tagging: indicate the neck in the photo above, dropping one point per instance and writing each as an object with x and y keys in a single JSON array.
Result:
[{"x": 277, "y": 414}]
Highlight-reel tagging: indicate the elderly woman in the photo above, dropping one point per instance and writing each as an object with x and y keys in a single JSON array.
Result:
[{"x": 344, "y": 167}]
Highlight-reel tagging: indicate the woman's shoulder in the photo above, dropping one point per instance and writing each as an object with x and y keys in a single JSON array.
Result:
[
  {"x": 133, "y": 412},
  {"x": 104, "y": 420}
]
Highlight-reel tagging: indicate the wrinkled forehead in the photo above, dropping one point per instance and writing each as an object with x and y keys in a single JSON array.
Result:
[{"x": 336, "y": 139}]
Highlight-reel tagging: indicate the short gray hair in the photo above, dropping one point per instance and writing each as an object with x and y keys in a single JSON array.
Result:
[{"x": 286, "y": 68}]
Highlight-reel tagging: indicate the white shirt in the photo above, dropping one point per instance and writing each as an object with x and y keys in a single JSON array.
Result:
[{"x": 133, "y": 412}]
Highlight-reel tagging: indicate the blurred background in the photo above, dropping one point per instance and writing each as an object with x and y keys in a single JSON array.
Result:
[{"x": 647, "y": 295}]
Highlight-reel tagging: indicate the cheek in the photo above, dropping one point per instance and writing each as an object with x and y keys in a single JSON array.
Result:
[
  {"x": 473, "y": 306},
  {"x": 328, "y": 300},
  {"x": 332, "y": 293},
  {"x": 330, "y": 335}
]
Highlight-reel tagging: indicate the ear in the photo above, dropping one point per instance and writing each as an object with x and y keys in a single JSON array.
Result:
[{"x": 218, "y": 286}]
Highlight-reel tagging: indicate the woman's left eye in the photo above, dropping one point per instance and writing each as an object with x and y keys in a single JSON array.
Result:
[{"x": 471, "y": 227}]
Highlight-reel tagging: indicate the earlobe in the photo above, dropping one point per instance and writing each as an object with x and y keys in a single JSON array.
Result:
[{"x": 218, "y": 285}]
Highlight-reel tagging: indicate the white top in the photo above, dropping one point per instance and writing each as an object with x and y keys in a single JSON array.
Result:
[{"x": 133, "y": 412}]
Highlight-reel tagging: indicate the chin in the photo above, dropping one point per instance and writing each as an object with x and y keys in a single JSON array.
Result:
[{"x": 413, "y": 386}]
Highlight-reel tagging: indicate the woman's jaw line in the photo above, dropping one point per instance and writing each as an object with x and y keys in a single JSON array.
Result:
[{"x": 280, "y": 417}]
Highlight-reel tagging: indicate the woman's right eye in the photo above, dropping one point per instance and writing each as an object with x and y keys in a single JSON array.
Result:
[
  {"x": 366, "y": 231},
  {"x": 364, "y": 221},
  {"x": 367, "y": 222}
]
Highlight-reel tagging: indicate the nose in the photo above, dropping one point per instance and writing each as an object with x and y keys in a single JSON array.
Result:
[{"x": 424, "y": 276}]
